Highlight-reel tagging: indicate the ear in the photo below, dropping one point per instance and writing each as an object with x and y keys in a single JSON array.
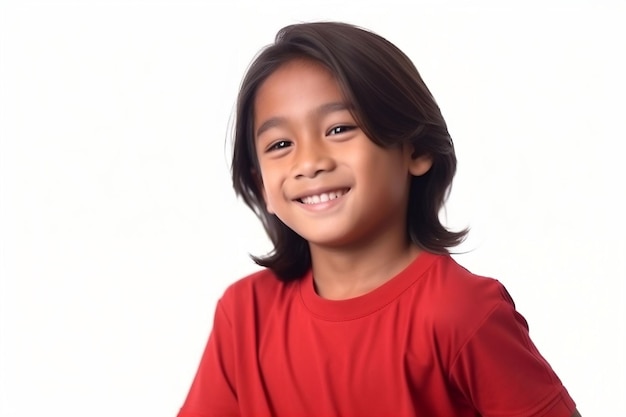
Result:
[{"x": 420, "y": 165}]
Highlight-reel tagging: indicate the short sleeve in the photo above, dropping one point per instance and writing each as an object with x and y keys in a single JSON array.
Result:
[
  {"x": 500, "y": 371},
  {"x": 212, "y": 392}
]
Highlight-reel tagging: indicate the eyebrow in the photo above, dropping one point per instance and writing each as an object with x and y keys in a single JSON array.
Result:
[{"x": 321, "y": 111}]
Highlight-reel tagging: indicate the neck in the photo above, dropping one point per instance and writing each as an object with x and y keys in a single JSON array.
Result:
[{"x": 341, "y": 273}]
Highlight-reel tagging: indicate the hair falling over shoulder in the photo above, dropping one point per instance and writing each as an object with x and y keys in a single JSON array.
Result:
[{"x": 392, "y": 105}]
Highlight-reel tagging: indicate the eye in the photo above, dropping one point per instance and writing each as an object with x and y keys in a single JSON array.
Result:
[
  {"x": 340, "y": 129},
  {"x": 278, "y": 145}
]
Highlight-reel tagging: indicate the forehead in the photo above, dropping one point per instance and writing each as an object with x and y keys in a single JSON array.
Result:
[
  {"x": 294, "y": 85},
  {"x": 299, "y": 69}
]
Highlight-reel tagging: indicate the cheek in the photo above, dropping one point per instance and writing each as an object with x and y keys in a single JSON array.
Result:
[
  {"x": 379, "y": 165},
  {"x": 268, "y": 178},
  {"x": 269, "y": 205},
  {"x": 387, "y": 177},
  {"x": 270, "y": 187}
]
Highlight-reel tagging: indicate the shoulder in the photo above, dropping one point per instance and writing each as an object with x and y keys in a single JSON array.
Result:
[
  {"x": 255, "y": 292},
  {"x": 458, "y": 288},
  {"x": 260, "y": 280},
  {"x": 459, "y": 301}
]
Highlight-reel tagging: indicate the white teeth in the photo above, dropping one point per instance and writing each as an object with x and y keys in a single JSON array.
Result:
[{"x": 322, "y": 198}]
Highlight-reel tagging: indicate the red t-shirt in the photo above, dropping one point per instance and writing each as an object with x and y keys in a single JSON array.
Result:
[{"x": 435, "y": 340}]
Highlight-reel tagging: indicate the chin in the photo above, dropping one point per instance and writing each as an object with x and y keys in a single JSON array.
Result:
[{"x": 329, "y": 240}]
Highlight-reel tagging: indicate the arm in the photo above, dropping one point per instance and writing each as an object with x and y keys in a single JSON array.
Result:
[
  {"x": 500, "y": 371},
  {"x": 212, "y": 392}
]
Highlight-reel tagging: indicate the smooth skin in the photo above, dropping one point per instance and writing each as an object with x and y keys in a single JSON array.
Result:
[
  {"x": 325, "y": 179},
  {"x": 309, "y": 144}
]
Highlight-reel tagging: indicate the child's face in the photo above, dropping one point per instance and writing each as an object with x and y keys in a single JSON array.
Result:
[{"x": 321, "y": 175}]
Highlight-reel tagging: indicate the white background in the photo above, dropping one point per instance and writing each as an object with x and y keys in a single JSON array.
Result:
[{"x": 119, "y": 228}]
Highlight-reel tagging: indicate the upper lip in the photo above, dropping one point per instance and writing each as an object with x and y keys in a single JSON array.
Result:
[{"x": 318, "y": 191}]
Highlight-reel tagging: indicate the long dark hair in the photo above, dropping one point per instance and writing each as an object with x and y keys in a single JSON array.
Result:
[{"x": 391, "y": 104}]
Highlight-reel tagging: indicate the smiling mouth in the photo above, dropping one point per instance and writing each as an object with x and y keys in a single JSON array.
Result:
[{"x": 323, "y": 197}]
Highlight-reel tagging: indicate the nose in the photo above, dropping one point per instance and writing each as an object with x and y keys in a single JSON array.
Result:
[{"x": 311, "y": 159}]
